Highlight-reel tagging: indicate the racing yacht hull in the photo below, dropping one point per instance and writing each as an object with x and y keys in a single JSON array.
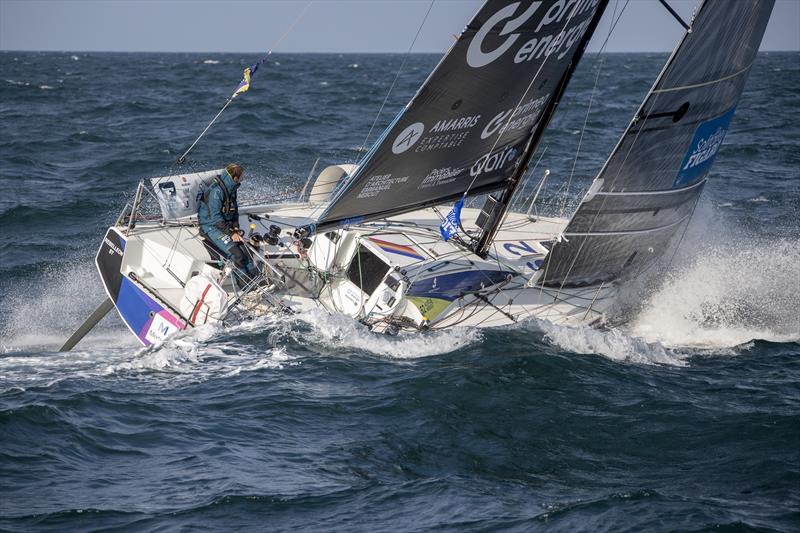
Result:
[{"x": 394, "y": 275}]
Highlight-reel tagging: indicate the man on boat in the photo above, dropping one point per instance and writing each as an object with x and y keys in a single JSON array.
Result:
[{"x": 218, "y": 214}]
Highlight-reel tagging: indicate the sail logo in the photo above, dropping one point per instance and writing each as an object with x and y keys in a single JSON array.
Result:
[
  {"x": 440, "y": 176},
  {"x": 476, "y": 57},
  {"x": 703, "y": 149},
  {"x": 496, "y": 124},
  {"x": 408, "y": 137},
  {"x": 455, "y": 124},
  {"x": 561, "y": 40},
  {"x": 161, "y": 327},
  {"x": 493, "y": 161},
  {"x": 515, "y": 119}
]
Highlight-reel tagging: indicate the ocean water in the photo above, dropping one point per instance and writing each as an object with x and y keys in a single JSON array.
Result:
[{"x": 687, "y": 418}]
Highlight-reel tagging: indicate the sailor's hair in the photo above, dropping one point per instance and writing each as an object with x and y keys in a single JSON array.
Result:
[{"x": 234, "y": 170}]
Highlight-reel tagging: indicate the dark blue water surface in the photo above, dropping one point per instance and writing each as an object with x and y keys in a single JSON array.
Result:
[{"x": 688, "y": 418}]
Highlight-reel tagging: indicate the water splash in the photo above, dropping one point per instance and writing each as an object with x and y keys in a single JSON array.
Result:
[
  {"x": 727, "y": 295},
  {"x": 613, "y": 344},
  {"x": 44, "y": 310},
  {"x": 339, "y": 331}
]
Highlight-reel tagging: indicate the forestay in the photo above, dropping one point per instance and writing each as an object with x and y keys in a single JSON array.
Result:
[
  {"x": 647, "y": 190},
  {"x": 471, "y": 122}
]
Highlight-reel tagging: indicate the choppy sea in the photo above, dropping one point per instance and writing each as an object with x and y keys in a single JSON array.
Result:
[{"x": 687, "y": 418}]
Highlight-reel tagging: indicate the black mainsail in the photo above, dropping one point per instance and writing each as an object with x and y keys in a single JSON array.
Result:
[
  {"x": 646, "y": 192},
  {"x": 472, "y": 124}
]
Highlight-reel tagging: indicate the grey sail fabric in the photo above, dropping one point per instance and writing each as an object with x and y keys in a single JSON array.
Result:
[
  {"x": 646, "y": 192},
  {"x": 471, "y": 122}
]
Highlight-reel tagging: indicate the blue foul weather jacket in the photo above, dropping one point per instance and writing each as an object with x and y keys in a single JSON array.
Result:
[{"x": 218, "y": 211}]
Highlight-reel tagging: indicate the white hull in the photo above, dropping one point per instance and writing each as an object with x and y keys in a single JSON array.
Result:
[{"x": 411, "y": 279}]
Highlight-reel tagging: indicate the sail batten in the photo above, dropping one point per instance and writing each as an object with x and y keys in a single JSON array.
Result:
[
  {"x": 469, "y": 127},
  {"x": 650, "y": 184}
]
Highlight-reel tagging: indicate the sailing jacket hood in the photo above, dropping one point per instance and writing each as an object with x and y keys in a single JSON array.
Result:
[{"x": 218, "y": 207}]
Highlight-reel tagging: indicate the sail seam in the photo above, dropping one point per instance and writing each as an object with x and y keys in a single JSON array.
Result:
[
  {"x": 650, "y": 193},
  {"x": 703, "y": 84},
  {"x": 630, "y": 232}
]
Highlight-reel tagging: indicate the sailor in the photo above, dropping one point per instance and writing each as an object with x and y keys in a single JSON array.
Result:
[{"x": 218, "y": 214}]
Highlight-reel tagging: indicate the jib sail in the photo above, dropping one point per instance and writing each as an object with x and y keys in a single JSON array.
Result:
[
  {"x": 644, "y": 195},
  {"x": 471, "y": 122}
]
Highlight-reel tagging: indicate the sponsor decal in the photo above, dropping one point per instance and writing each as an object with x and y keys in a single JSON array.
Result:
[
  {"x": 378, "y": 184},
  {"x": 493, "y": 161},
  {"x": 455, "y": 124},
  {"x": 162, "y": 326},
  {"x": 144, "y": 316},
  {"x": 452, "y": 286},
  {"x": 476, "y": 57},
  {"x": 543, "y": 45},
  {"x": 523, "y": 249},
  {"x": 550, "y": 44},
  {"x": 399, "y": 249},
  {"x": 440, "y": 176},
  {"x": 447, "y": 133},
  {"x": 408, "y": 137},
  {"x": 113, "y": 248},
  {"x": 524, "y": 116},
  {"x": 439, "y": 142},
  {"x": 703, "y": 149}
]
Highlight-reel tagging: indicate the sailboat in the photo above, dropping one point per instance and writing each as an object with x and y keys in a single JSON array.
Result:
[{"x": 389, "y": 240}]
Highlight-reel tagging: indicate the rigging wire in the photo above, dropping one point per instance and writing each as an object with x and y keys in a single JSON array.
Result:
[
  {"x": 339, "y": 188},
  {"x": 397, "y": 75},
  {"x": 244, "y": 85},
  {"x": 665, "y": 71}
]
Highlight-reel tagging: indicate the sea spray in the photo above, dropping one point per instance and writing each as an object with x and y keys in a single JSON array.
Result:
[
  {"x": 44, "y": 310},
  {"x": 726, "y": 295}
]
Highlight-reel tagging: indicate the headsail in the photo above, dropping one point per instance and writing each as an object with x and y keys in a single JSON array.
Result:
[
  {"x": 471, "y": 122},
  {"x": 647, "y": 190}
]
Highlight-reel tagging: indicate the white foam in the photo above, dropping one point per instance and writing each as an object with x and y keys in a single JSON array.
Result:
[
  {"x": 211, "y": 62},
  {"x": 727, "y": 295},
  {"x": 340, "y": 331},
  {"x": 200, "y": 354},
  {"x": 613, "y": 344}
]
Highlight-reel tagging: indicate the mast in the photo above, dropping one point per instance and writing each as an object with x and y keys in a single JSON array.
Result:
[{"x": 504, "y": 202}]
